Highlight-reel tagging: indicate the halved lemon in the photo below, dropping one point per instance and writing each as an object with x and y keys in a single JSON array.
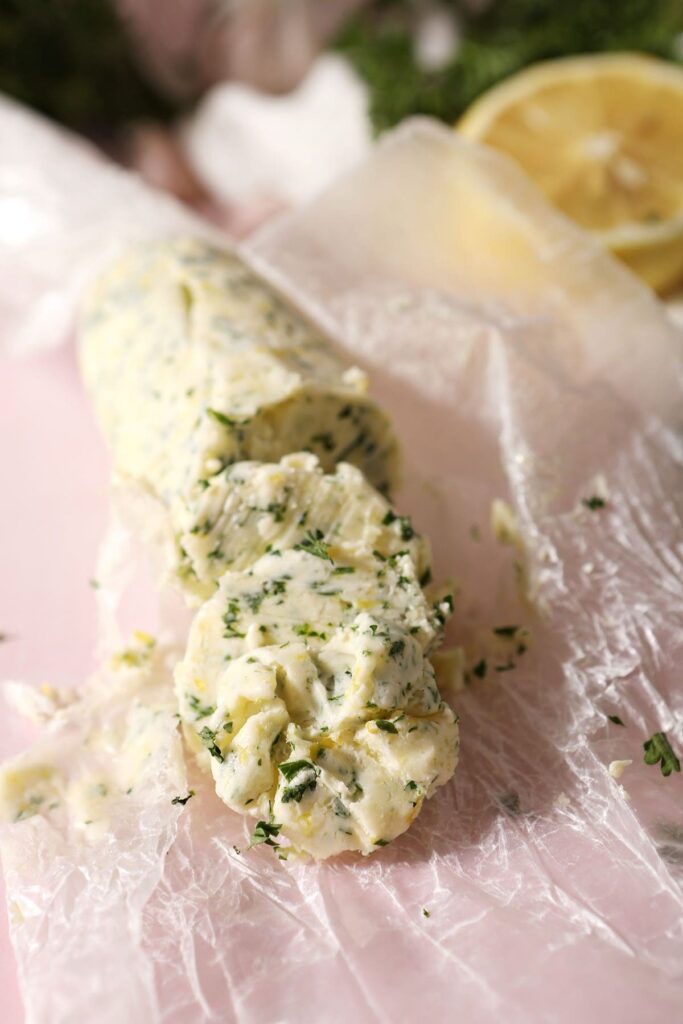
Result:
[{"x": 602, "y": 136}]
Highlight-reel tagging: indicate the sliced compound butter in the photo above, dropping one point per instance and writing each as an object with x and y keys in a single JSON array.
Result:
[
  {"x": 194, "y": 364},
  {"x": 307, "y": 687}
]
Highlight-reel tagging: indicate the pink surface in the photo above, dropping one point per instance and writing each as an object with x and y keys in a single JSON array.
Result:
[
  {"x": 52, "y": 517},
  {"x": 553, "y": 893}
]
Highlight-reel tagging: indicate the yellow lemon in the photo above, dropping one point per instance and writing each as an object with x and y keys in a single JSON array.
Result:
[{"x": 602, "y": 137}]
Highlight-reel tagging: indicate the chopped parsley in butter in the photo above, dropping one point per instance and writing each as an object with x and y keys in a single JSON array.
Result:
[{"x": 307, "y": 687}]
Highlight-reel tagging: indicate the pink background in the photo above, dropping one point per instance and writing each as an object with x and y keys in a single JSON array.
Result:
[{"x": 52, "y": 517}]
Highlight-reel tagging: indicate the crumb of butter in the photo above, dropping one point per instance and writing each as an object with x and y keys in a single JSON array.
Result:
[
  {"x": 504, "y": 526},
  {"x": 617, "y": 768},
  {"x": 138, "y": 654},
  {"x": 449, "y": 667}
]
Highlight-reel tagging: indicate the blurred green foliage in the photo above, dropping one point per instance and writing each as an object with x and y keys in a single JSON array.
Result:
[
  {"x": 73, "y": 60},
  {"x": 504, "y": 37}
]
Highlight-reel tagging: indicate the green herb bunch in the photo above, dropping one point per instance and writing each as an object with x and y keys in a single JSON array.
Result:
[{"x": 495, "y": 42}]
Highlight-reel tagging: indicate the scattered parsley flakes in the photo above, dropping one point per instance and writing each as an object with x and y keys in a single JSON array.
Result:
[
  {"x": 658, "y": 748},
  {"x": 302, "y": 775},
  {"x": 510, "y": 802},
  {"x": 220, "y": 417},
  {"x": 325, "y": 440},
  {"x": 381, "y": 842},
  {"x": 305, "y": 629},
  {"x": 314, "y": 544},
  {"x": 385, "y": 726},
  {"x": 265, "y": 832},
  {"x": 410, "y": 784},
  {"x": 425, "y": 912},
  {"x": 342, "y": 570},
  {"x": 397, "y": 648},
  {"x": 254, "y": 601},
  {"x": 230, "y": 618},
  {"x": 616, "y": 720},
  {"x": 340, "y": 808},
  {"x": 480, "y": 669},
  {"x": 509, "y": 631},
  {"x": 201, "y": 711},
  {"x": 594, "y": 502},
  {"x": 405, "y": 525},
  {"x": 208, "y": 738},
  {"x": 183, "y": 799}
]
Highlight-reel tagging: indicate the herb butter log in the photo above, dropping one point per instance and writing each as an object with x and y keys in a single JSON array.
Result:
[
  {"x": 194, "y": 364},
  {"x": 306, "y": 687}
]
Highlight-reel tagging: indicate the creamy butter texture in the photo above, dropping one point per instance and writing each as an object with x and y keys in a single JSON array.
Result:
[
  {"x": 306, "y": 687},
  {"x": 193, "y": 364}
]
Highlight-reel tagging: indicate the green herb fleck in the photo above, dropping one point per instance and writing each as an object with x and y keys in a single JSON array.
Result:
[
  {"x": 302, "y": 775},
  {"x": 265, "y": 832},
  {"x": 480, "y": 669},
  {"x": 183, "y": 799},
  {"x": 343, "y": 570},
  {"x": 230, "y": 618},
  {"x": 305, "y": 629},
  {"x": 658, "y": 748},
  {"x": 326, "y": 441},
  {"x": 506, "y": 630},
  {"x": 397, "y": 648},
  {"x": 406, "y": 527},
  {"x": 425, "y": 912},
  {"x": 208, "y": 738},
  {"x": 254, "y": 601},
  {"x": 314, "y": 544},
  {"x": 385, "y": 726},
  {"x": 594, "y": 502},
  {"x": 510, "y": 802},
  {"x": 616, "y": 720},
  {"x": 340, "y": 808},
  {"x": 201, "y": 711},
  {"x": 220, "y": 417}
]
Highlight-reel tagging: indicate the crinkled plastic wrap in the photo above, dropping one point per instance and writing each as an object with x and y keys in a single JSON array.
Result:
[
  {"x": 64, "y": 212},
  {"x": 521, "y": 366}
]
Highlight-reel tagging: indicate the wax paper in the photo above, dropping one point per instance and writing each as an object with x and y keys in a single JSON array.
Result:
[
  {"x": 536, "y": 388},
  {"x": 64, "y": 212}
]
